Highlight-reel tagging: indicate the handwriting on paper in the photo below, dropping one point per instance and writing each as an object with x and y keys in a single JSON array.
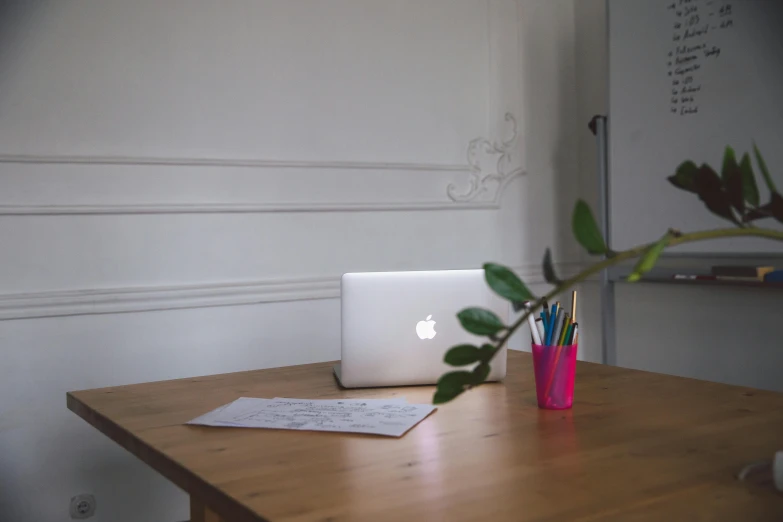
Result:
[{"x": 389, "y": 417}]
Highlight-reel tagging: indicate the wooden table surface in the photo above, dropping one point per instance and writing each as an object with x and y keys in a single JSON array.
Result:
[{"x": 636, "y": 446}]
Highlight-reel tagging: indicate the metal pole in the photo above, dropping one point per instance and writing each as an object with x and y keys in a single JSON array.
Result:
[{"x": 608, "y": 348}]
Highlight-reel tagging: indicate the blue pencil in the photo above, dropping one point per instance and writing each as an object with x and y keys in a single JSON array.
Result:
[{"x": 552, "y": 321}]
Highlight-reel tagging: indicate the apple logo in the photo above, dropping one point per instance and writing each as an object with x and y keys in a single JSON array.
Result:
[{"x": 426, "y": 329}]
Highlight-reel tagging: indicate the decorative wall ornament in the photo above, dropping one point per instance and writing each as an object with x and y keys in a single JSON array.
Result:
[{"x": 488, "y": 175}]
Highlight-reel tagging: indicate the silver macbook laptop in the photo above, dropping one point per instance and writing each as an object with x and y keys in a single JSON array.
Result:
[{"x": 397, "y": 326}]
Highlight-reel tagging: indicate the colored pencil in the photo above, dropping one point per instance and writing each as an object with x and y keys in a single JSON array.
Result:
[
  {"x": 573, "y": 305},
  {"x": 564, "y": 334},
  {"x": 569, "y": 335}
]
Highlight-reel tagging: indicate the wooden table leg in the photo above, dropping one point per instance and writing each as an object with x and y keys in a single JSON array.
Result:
[{"x": 201, "y": 513}]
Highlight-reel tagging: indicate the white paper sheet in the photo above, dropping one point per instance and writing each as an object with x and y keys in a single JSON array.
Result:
[{"x": 389, "y": 417}]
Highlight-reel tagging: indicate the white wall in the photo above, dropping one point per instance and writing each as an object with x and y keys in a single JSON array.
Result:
[
  {"x": 719, "y": 334},
  {"x": 181, "y": 185}
]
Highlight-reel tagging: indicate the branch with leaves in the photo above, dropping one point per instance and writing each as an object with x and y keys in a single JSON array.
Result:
[{"x": 733, "y": 195}]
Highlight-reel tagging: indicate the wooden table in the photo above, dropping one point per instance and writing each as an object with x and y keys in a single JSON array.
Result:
[{"x": 636, "y": 446}]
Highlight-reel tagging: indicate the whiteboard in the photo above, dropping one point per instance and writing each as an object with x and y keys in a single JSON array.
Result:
[{"x": 687, "y": 78}]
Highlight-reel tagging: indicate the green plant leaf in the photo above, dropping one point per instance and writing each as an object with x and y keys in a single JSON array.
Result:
[
  {"x": 729, "y": 164},
  {"x": 549, "y": 269},
  {"x": 734, "y": 190},
  {"x": 710, "y": 190},
  {"x": 462, "y": 355},
  {"x": 763, "y": 169},
  {"x": 586, "y": 230},
  {"x": 773, "y": 209},
  {"x": 683, "y": 177},
  {"x": 757, "y": 213},
  {"x": 451, "y": 385},
  {"x": 480, "y": 321},
  {"x": 749, "y": 188},
  {"x": 505, "y": 283},
  {"x": 648, "y": 259},
  {"x": 707, "y": 180},
  {"x": 776, "y": 206},
  {"x": 480, "y": 373},
  {"x": 486, "y": 352}
]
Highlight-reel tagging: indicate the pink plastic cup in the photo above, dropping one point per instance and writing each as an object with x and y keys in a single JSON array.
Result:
[{"x": 555, "y": 369}]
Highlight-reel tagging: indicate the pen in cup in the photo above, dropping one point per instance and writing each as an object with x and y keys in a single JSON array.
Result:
[{"x": 533, "y": 328}]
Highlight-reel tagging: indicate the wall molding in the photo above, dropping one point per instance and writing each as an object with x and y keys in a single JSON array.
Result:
[
  {"x": 46, "y": 159},
  {"x": 156, "y": 298},
  {"x": 175, "y": 297},
  {"x": 239, "y": 208},
  {"x": 483, "y": 180}
]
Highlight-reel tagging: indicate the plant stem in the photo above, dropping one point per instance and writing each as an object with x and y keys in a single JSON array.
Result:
[{"x": 631, "y": 254}]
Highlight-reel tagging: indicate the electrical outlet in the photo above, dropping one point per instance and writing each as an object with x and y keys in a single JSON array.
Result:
[{"x": 83, "y": 506}]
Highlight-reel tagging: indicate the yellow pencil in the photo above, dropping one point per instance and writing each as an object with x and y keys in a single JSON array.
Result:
[{"x": 573, "y": 305}]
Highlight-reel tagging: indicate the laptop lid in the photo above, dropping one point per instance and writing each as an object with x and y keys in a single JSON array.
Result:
[{"x": 397, "y": 326}]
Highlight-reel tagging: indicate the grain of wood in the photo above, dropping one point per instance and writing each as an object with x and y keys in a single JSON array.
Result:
[{"x": 637, "y": 446}]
